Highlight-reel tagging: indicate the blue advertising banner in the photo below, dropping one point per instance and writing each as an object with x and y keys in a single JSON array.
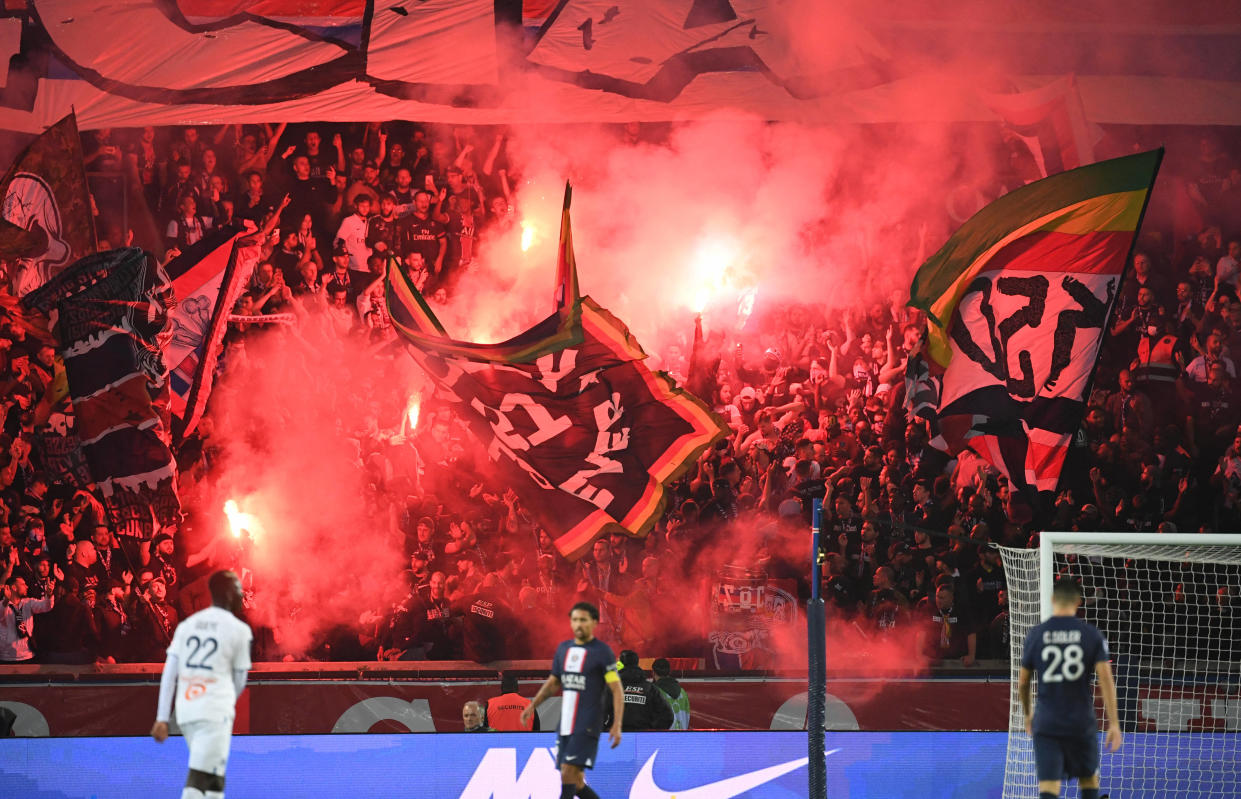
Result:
[{"x": 688, "y": 765}]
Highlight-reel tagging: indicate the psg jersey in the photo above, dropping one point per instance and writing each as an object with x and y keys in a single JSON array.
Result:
[
  {"x": 1062, "y": 652},
  {"x": 581, "y": 669}
]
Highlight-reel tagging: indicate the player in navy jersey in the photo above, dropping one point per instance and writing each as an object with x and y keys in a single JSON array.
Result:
[
  {"x": 1065, "y": 652},
  {"x": 585, "y": 669}
]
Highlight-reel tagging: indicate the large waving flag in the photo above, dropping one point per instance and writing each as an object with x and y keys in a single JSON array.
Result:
[
  {"x": 109, "y": 310},
  {"x": 46, "y": 222},
  {"x": 1052, "y": 122},
  {"x": 207, "y": 278},
  {"x": 586, "y": 434},
  {"x": 1017, "y": 302}
]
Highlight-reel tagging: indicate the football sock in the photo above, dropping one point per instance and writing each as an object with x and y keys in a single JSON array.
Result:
[
  {"x": 191, "y": 793},
  {"x": 586, "y": 793},
  {"x": 214, "y": 795},
  {"x": 1090, "y": 793},
  {"x": 567, "y": 790}
]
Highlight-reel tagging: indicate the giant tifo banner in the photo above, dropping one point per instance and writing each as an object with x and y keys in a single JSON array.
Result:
[
  {"x": 152, "y": 62},
  {"x": 298, "y": 707}
]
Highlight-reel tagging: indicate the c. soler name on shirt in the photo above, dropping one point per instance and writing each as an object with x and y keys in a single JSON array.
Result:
[
  {"x": 1062, "y": 636},
  {"x": 574, "y": 682}
]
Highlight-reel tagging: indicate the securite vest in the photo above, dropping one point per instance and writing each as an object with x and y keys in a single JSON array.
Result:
[{"x": 504, "y": 713}]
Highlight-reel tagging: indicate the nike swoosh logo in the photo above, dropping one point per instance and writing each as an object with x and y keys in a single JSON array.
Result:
[{"x": 644, "y": 786}]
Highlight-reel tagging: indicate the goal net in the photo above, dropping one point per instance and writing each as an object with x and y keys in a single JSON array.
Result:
[{"x": 1169, "y": 606}]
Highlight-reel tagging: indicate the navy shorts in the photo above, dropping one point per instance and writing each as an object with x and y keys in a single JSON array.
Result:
[
  {"x": 1057, "y": 757},
  {"x": 578, "y": 749}
]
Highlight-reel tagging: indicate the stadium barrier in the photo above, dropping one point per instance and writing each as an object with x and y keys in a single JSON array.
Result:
[{"x": 313, "y": 698}]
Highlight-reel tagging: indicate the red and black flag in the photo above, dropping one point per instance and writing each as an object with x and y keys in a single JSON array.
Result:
[
  {"x": 1017, "y": 302},
  {"x": 46, "y": 222},
  {"x": 108, "y": 314},
  {"x": 588, "y": 436}
]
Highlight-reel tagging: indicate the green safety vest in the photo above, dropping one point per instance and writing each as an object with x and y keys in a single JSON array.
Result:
[{"x": 680, "y": 709}]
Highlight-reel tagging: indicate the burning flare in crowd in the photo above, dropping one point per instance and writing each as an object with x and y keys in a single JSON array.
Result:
[
  {"x": 528, "y": 233},
  {"x": 412, "y": 410},
  {"x": 717, "y": 275},
  {"x": 239, "y": 522}
]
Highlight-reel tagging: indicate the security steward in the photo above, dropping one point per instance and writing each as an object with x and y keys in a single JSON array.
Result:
[{"x": 645, "y": 705}]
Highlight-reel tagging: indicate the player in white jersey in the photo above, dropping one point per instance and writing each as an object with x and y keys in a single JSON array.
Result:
[{"x": 206, "y": 668}]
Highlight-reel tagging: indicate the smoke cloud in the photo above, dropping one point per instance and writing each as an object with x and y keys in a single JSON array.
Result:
[
  {"x": 292, "y": 417},
  {"x": 668, "y": 219}
]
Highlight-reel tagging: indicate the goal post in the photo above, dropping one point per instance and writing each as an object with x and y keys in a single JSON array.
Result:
[{"x": 1170, "y": 607}]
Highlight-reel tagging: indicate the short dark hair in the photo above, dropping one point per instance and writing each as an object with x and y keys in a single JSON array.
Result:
[
  {"x": 508, "y": 682},
  {"x": 1067, "y": 591},
  {"x": 221, "y": 585},
  {"x": 586, "y": 606},
  {"x": 661, "y": 667}
]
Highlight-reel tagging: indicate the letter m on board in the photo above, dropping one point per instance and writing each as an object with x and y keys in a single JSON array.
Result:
[{"x": 496, "y": 776}]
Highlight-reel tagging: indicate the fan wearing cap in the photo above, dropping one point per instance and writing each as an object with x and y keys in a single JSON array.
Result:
[
  {"x": 761, "y": 375},
  {"x": 342, "y": 275},
  {"x": 646, "y": 708},
  {"x": 748, "y": 406}
]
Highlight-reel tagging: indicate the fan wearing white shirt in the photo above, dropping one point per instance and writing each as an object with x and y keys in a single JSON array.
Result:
[
  {"x": 206, "y": 669},
  {"x": 352, "y": 232},
  {"x": 1228, "y": 268}
]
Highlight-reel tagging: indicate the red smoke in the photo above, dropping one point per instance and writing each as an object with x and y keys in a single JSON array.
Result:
[{"x": 696, "y": 215}]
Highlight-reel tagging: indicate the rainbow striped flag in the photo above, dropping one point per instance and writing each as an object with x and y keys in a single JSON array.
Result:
[
  {"x": 574, "y": 421},
  {"x": 1017, "y": 302}
]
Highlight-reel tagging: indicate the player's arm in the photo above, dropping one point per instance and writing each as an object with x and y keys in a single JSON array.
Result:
[
  {"x": 1025, "y": 695},
  {"x": 167, "y": 687},
  {"x": 1107, "y": 684},
  {"x": 612, "y": 679},
  {"x": 549, "y": 686}
]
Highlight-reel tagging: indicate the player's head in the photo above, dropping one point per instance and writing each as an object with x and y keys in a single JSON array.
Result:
[
  {"x": 225, "y": 589},
  {"x": 1066, "y": 595},
  {"x": 508, "y": 682},
  {"x": 582, "y": 620}
]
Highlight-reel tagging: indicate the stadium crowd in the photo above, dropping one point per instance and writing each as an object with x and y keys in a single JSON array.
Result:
[{"x": 814, "y": 399}]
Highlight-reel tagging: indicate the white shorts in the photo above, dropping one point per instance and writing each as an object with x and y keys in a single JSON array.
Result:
[{"x": 209, "y": 742}]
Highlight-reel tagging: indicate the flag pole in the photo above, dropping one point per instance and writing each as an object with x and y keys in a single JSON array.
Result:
[
  {"x": 816, "y": 673},
  {"x": 1120, "y": 281}
]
